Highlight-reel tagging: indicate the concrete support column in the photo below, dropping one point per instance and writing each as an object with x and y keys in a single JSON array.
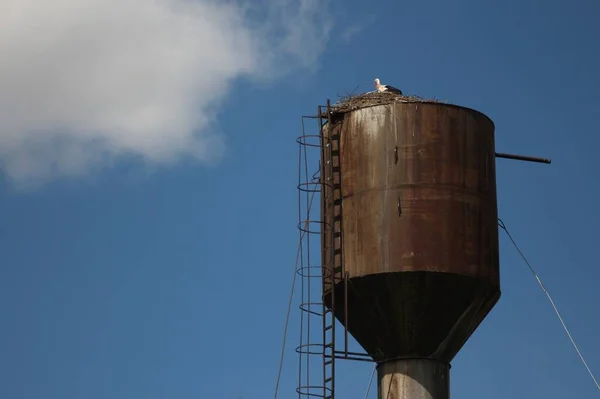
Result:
[{"x": 413, "y": 379}]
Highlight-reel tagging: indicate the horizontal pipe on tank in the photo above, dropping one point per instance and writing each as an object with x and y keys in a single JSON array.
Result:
[{"x": 523, "y": 158}]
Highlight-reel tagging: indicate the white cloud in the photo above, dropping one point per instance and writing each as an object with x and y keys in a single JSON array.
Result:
[
  {"x": 350, "y": 31},
  {"x": 85, "y": 81}
]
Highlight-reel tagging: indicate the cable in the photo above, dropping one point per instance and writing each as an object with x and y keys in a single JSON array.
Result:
[
  {"x": 370, "y": 381},
  {"x": 503, "y": 227}
]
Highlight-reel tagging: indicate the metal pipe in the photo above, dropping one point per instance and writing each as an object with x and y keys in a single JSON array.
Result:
[
  {"x": 522, "y": 158},
  {"x": 366, "y": 356},
  {"x": 346, "y": 312},
  {"x": 413, "y": 379}
]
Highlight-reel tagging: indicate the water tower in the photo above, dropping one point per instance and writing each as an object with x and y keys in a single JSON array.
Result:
[{"x": 409, "y": 236}]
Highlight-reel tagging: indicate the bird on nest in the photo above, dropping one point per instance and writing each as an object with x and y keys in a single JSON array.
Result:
[{"x": 381, "y": 88}]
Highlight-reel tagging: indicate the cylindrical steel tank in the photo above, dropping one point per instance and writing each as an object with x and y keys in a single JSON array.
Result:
[{"x": 418, "y": 226}]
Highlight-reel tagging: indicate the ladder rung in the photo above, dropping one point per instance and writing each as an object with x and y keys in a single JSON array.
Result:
[
  {"x": 328, "y": 379},
  {"x": 328, "y": 327},
  {"x": 328, "y": 362}
]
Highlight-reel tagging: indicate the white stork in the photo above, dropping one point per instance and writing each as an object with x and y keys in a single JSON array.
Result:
[{"x": 381, "y": 88}]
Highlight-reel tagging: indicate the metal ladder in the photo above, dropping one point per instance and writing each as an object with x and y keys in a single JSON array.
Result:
[{"x": 333, "y": 272}]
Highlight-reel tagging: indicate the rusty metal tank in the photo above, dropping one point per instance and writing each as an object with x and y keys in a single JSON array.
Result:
[{"x": 412, "y": 215}]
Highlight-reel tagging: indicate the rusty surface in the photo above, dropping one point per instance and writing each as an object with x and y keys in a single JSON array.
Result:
[
  {"x": 414, "y": 379},
  {"x": 419, "y": 215}
]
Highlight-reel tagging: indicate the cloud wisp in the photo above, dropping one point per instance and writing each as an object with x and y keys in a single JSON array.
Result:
[{"x": 86, "y": 81}]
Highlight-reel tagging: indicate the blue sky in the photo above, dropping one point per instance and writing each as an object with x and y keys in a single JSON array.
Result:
[{"x": 166, "y": 275}]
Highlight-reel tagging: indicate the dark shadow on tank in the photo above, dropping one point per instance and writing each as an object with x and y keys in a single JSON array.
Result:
[{"x": 414, "y": 314}]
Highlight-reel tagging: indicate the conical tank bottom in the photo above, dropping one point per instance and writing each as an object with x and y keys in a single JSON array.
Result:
[{"x": 414, "y": 314}]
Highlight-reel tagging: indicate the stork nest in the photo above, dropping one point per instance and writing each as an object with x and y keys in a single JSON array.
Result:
[{"x": 351, "y": 103}]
